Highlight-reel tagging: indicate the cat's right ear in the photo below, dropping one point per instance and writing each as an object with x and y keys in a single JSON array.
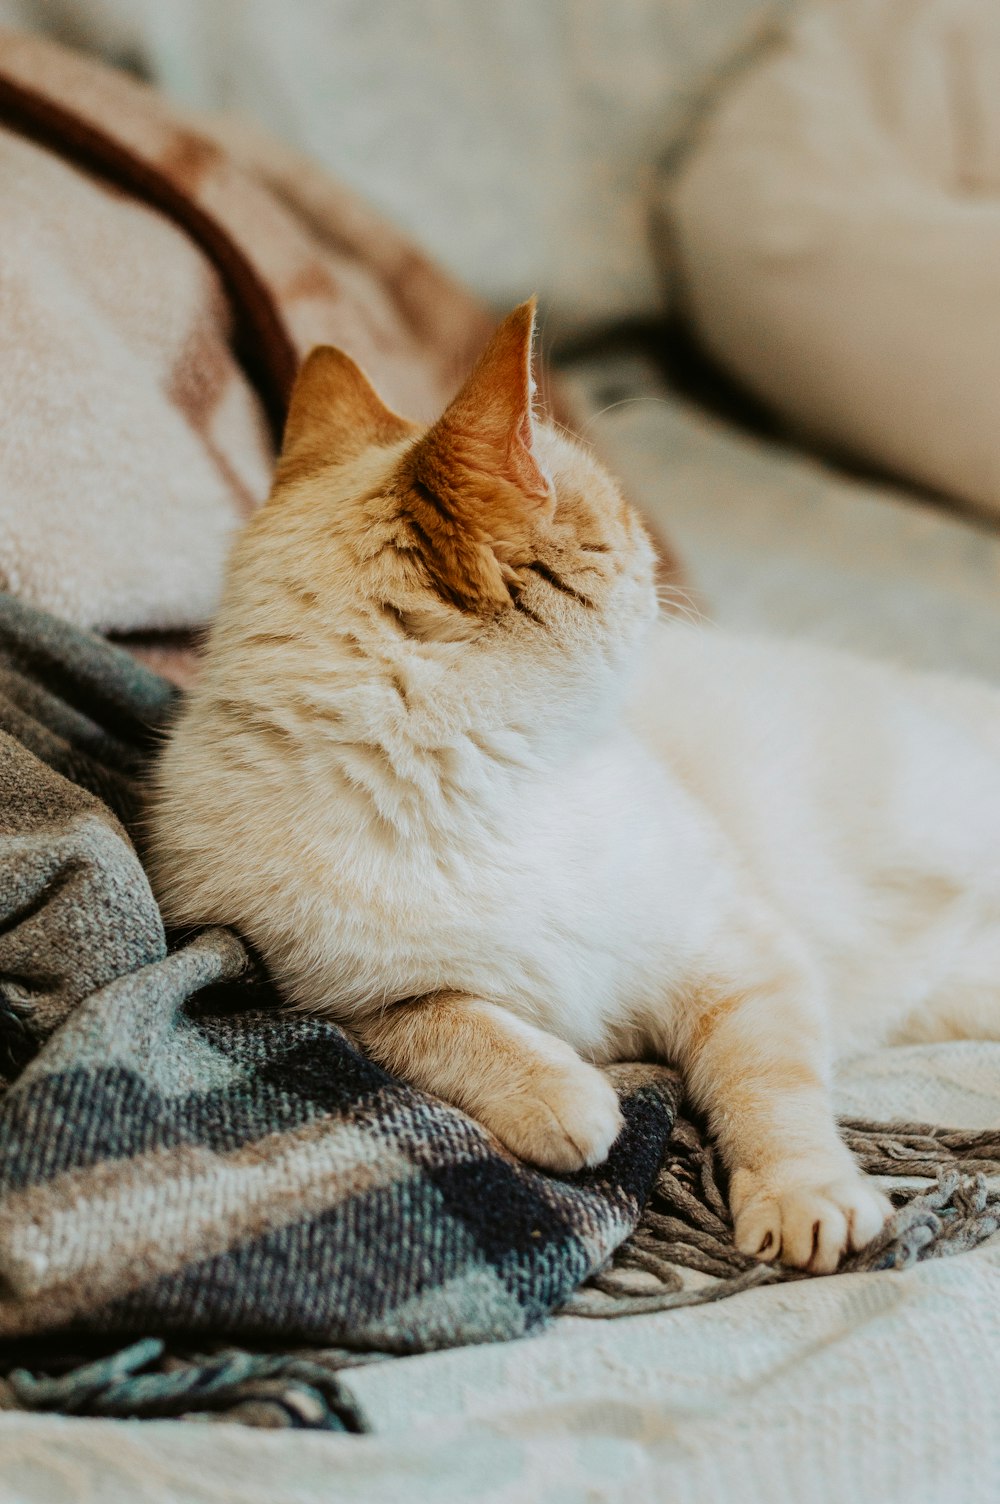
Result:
[{"x": 334, "y": 414}]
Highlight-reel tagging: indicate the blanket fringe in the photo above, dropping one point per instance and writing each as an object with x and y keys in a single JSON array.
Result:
[
  {"x": 147, "y": 1381},
  {"x": 682, "y": 1254}
]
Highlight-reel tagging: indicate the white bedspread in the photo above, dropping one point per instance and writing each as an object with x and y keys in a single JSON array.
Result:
[{"x": 873, "y": 1389}]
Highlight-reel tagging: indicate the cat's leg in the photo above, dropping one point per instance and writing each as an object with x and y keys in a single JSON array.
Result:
[
  {"x": 965, "y": 1004},
  {"x": 755, "y": 1060},
  {"x": 957, "y": 1011},
  {"x": 532, "y": 1090}
]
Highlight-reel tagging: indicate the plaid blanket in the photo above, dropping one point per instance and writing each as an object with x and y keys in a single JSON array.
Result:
[{"x": 182, "y": 1160}]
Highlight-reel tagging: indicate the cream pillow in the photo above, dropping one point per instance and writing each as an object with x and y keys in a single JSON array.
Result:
[{"x": 835, "y": 233}]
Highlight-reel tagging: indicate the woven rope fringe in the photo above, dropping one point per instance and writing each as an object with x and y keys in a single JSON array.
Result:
[
  {"x": 687, "y": 1231},
  {"x": 147, "y": 1381}
]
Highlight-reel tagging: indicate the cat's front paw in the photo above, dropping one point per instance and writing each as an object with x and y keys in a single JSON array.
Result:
[
  {"x": 808, "y": 1221},
  {"x": 566, "y": 1118}
]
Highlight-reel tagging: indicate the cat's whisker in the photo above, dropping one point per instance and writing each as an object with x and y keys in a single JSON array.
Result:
[
  {"x": 611, "y": 407},
  {"x": 677, "y": 602}
]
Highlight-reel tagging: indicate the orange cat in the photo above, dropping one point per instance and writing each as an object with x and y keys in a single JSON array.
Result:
[{"x": 467, "y": 795}]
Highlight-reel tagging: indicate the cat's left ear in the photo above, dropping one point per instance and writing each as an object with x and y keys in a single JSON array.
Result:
[
  {"x": 334, "y": 414},
  {"x": 472, "y": 487},
  {"x": 486, "y": 433}
]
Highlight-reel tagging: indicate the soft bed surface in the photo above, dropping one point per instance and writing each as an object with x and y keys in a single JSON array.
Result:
[
  {"x": 772, "y": 540},
  {"x": 870, "y": 1387}
]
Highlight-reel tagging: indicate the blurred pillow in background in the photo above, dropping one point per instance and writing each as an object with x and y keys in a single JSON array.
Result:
[
  {"x": 516, "y": 139},
  {"x": 834, "y": 235}
]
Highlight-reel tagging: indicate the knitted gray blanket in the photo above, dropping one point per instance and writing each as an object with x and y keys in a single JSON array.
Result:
[
  {"x": 209, "y": 1204},
  {"x": 179, "y": 1156}
]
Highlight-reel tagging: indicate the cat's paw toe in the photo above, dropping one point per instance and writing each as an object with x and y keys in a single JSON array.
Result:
[
  {"x": 809, "y": 1224},
  {"x": 567, "y": 1121}
]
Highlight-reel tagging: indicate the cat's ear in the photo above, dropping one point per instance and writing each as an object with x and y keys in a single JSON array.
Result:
[
  {"x": 334, "y": 414},
  {"x": 487, "y": 429},
  {"x": 475, "y": 490}
]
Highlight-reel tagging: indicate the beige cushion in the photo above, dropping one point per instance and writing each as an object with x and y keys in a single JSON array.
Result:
[{"x": 836, "y": 232}]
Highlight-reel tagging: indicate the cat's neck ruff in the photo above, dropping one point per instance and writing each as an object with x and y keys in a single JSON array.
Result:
[{"x": 423, "y": 736}]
